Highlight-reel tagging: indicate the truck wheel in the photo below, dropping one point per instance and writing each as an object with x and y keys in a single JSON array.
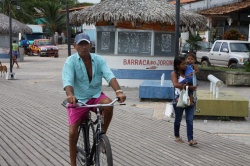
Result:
[
  {"x": 233, "y": 66},
  {"x": 205, "y": 63}
]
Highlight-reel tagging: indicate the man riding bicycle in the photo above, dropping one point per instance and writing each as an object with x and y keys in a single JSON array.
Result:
[{"x": 82, "y": 79}]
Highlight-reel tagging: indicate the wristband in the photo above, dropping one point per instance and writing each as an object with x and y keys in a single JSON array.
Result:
[{"x": 119, "y": 91}]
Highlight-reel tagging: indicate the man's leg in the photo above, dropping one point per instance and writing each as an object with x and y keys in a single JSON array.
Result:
[
  {"x": 73, "y": 135},
  {"x": 107, "y": 113}
]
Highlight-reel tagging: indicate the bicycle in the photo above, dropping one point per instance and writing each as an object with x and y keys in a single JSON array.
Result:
[{"x": 93, "y": 146}]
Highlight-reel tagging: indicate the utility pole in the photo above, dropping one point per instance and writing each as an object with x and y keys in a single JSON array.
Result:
[
  {"x": 10, "y": 36},
  {"x": 177, "y": 27},
  {"x": 68, "y": 28}
]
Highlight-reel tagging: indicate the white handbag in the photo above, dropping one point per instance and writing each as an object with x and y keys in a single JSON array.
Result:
[{"x": 186, "y": 98}]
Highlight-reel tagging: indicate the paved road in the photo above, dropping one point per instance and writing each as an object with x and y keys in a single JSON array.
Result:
[{"x": 33, "y": 126}]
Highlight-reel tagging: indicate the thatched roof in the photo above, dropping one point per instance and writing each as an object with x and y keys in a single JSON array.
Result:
[
  {"x": 16, "y": 26},
  {"x": 144, "y": 11}
]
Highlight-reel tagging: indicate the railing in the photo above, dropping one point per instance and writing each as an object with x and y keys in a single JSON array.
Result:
[{"x": 215, "y": 84}]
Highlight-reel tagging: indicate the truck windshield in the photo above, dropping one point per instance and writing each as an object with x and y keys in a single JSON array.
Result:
[
  {"x": 34, "y": 36},
  {"x": 240, "y": 47}
]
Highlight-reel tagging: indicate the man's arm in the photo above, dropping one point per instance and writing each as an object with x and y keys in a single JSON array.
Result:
[
  {"x": 70, "y": 95},
  {"x": 119, "y": 93}
]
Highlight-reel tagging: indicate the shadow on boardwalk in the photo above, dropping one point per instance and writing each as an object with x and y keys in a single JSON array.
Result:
[{"x": 34, "y": 131}]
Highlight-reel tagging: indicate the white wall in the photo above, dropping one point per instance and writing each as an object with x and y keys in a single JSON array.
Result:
[{"x": 206, "y": 4}]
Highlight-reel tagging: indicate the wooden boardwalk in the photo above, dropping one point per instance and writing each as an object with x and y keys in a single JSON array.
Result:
[{"x": 34, "y": 132}]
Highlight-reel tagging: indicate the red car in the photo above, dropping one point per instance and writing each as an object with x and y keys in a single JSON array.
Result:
[{"x": 43, "y": 47}]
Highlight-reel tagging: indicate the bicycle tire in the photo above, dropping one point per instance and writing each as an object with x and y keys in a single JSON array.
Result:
[
  {"x": 81, "y": 157},
  {"x": 104, "y": 153},
  {"x": 80, "y": 152},
  {"x": 91, "y": 130}
]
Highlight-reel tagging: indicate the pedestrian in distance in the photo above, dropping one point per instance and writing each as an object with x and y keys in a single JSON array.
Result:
[
  {"x": 25, "y": 45},
  {"x": 82, "y": 76},
  {"x": 177, "y": 76},
  {"x": 15, "y": 50}
]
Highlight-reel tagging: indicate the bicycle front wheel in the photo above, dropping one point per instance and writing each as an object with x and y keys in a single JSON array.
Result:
[
  {"x": 81, "y": 156},
  {"x": 80, "y": 152},
  {"x": 104, "y": 153}
]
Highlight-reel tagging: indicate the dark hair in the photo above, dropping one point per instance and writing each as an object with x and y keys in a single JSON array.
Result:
[
  {"x": 192, "y": 55},
  {"x": 178, "y": 61}
]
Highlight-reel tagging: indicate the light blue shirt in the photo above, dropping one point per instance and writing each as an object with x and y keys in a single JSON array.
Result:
[{"x": 74, "y": 74}]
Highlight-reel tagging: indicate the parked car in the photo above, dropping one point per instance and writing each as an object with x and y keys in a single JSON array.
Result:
[
  {"x": 43, "y": 47},
  {"x": 204, "y": 46},
  {"x": 225, "y": 53}
]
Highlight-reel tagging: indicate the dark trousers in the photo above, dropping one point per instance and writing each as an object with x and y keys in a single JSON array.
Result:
[{"x": 189, "y": 112}]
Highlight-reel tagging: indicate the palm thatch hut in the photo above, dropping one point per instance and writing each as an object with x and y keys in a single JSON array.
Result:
[
  {"x": 17, "y": 27},
  {"x": 137, "y": 36},
  {"x": 137, "y": 11}
]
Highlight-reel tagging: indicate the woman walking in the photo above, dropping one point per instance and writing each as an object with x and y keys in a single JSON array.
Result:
[{"x": 177, "y": 76}]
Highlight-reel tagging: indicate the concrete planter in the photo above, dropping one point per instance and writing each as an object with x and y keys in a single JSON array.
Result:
[
  {"x": 203, "y": 73},
  {"x": 238, "y": 78},
  {"x": 234, "y": 78}
]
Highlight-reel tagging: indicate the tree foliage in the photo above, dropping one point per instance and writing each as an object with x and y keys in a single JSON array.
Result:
[
  {"x": 232, "y": 34},
  {"x": 193, "y": 41},
  {"x": 27, "y": 12},
  {"x": 53, "y": 18}
]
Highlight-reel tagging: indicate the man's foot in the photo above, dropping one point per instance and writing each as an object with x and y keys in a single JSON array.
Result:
[{"x": 17, "y": 67}]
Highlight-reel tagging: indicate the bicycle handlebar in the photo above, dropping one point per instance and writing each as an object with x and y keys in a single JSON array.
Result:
[{"x": 84, "y": 105}]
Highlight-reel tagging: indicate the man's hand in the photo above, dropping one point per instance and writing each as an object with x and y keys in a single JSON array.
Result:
[
  {"x": 71, "y": 99},
  {"x": 121, "y": 96}
]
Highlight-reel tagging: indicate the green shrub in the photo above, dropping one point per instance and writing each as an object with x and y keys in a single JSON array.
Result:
[
  {"x": 247, "y": 65},
  {"x": 218, "y": 68}
]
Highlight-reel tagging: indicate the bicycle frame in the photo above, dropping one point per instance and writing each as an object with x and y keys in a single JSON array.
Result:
[{"x": 84, "y": 127}]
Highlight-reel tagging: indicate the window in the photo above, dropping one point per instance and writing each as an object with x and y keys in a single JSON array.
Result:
[
  {"x": 240, "y": 47},
  {"x": 217, "y": 46},
  {"x": 224, "y": 45}
]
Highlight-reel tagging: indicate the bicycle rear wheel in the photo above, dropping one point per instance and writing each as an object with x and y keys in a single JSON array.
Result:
[
  {"x": 104, "y": 153},
  {"x": 81, "y": 157}
]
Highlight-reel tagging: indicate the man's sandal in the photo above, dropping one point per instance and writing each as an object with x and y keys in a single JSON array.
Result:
[
  {"x": 179, "y": 140},
  {"x": 192, "y": 143}
]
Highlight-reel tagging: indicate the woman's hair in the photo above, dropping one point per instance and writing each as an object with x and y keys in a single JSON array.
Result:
[
  {"x": 178, "y": 61},
  {"x": 192, "y": 55}
]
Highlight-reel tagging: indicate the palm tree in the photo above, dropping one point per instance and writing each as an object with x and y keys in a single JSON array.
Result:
[
  {"x": 193, "y": 41},
  {"x": 53, "y": 18}
]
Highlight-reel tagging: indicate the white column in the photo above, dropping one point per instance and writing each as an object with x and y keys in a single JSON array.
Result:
[
  {"x": 217, "y": 93},
  {"x": 211, "y": 87},
  {"x": 249, "y": 32}
]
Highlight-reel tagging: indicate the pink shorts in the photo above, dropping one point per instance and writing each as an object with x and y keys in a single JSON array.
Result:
[{"x": 74, "y": 114}]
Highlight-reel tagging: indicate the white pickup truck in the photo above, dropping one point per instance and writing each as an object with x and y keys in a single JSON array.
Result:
[{"x": 226, "y": 53}]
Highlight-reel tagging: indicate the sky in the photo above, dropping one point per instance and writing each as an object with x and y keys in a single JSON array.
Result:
[{"x": 90, "y": 1}]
